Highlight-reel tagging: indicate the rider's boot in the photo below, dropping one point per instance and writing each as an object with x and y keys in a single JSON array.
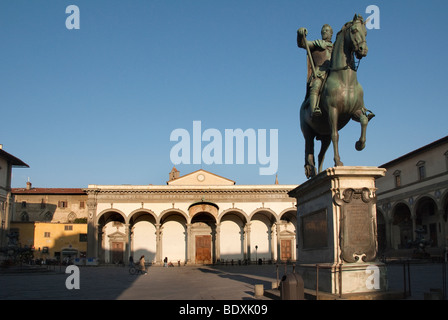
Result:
[{"x": 315, "y": 110}]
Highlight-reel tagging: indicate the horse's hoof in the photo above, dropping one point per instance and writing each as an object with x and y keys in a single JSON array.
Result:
[
  {"x": 360, "y": 145},
  {"x": 310, "y": 171}
]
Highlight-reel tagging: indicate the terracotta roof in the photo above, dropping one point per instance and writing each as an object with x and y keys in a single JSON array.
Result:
[{"x": 48, "y": 191}]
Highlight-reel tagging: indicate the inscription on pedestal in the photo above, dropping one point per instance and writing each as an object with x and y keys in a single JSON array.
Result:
[
  {"x": 358, "y": 222},
  {"x": 358, "y": 230},
  {"x": 314, "y": 230}
]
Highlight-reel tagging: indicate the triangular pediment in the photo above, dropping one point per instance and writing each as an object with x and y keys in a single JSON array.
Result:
[
  {"x": 201, "y": 178},
  {"x": 285, "y": 233},
  {"x": 117, "y": 236}
]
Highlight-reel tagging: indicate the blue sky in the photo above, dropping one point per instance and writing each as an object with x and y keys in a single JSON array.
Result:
[{"x": 97, "y": 105}]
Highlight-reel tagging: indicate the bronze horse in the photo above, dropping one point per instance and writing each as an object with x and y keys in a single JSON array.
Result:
[{"x": 341, "y": 98}]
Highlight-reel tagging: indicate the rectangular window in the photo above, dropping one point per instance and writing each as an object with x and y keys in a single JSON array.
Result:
[
  {"x": 82, "y": 204},
  {"x": 62, "y": 204},
  {"x": 68, "y": 228},
  {"x": 83, "y": 237},
  {"x": 397, "y": 181},
  {"x": 23, "y": 204},
  {"x": 46, "y": 234},
  {"x": 421, "y": 172},
  {"x": 397, "y": 178}
]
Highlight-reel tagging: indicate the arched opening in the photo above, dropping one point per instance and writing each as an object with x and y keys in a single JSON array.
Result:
[
  {"x": 203, "y": 233},
  {"x": 174, "y": 237},
  {"x": 287, "y": 236},
  {"x": 402, "y": 225},
  {"x": 426, "y": 220},
  {"x": 262, "y": 236},
  {"x": 143, "y": 236},
  {"x": 232, "y": 226},
  {"x": 112, "y": 237}
]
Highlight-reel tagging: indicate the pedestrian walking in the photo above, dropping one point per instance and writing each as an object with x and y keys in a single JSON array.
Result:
[{"x": 142, "y": 264}]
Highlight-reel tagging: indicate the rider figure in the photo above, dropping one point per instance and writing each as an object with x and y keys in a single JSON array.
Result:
[{"x": 321, "y": 54}]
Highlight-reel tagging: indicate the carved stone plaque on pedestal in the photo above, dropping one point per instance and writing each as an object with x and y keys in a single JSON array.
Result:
[{"x": 358, "y": 231}]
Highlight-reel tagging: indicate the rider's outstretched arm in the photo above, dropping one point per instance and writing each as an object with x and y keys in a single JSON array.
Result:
[{"x": 301, "y": 38}]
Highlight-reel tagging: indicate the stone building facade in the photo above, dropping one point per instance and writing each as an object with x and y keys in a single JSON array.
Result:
[
  {"x": 7, "y": 163},
  {"x": 413, "y": 196},
  {"x": 56, "y": 205},
  {"x": 193, "y": 219}
]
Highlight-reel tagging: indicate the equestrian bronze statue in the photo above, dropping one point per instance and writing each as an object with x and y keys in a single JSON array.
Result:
[{"x": 333, "y": 95}]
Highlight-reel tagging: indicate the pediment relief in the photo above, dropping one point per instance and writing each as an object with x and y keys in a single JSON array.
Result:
[
  {"x": 199, "y": 178},
  {"x": 117, "y": 236},
  {"x": 286, "y": 233}
]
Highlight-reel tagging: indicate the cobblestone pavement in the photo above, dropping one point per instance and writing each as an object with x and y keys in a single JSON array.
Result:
[{"x": 184, "y": 283}]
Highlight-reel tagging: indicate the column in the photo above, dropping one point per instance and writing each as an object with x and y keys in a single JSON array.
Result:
[
  {"x": 99, "y": 241},
  {"x": 218, "y": 242},
  {"x": 131, "y": 247},
  {"x": 278, "y": 241},
  {"x": 247, "y": 241},
  {"x": 389, "y": 244},
  {"x": 441, "y": 242},
  {"x": 128, "y": 243},
  {"x": 189, "y": 244},
  {"x": 158, "y": 243},
  {"x": 271, "y": 240},
  {"x": 92, "y": 232}
]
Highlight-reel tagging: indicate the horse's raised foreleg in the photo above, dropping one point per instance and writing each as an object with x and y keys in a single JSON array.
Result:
[
  {"x": 333, "y": 120},
  {"x": 325, "y": 143}
]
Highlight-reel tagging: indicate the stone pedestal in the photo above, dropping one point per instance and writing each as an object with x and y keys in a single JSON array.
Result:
[{"x": 337, "y": 231}]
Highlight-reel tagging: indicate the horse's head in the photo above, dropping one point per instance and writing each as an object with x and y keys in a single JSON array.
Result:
[{"x": 357, "y": 33}]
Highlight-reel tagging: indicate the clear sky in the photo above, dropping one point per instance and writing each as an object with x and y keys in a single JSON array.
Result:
[{"x": 97, "y": 105}]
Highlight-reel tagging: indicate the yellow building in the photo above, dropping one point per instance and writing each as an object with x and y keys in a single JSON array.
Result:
[{"x": 53, "y": 241}]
